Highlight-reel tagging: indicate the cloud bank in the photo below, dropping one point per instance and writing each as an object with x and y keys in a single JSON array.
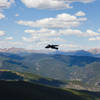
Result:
[
  {"x": 52, "y": 4},
  {"x": 5, "y": 3},
  {"x": 2, "y": 33},
  {"x": 63, "y": 20},
  {"x": 2, "y": 16}
]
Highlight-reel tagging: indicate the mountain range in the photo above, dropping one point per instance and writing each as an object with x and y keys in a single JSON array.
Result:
[
  {"x": 91, "y": 52},
  {"x": 83, "y": 69}
]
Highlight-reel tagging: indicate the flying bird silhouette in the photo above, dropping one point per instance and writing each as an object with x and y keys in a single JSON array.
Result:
[{"x": 52, "y": 46}]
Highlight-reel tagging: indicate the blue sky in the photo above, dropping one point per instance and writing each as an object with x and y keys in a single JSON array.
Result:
[{"x": 32, "y": 24}]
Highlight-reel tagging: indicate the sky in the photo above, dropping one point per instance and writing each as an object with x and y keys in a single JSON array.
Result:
[{"x": 32, "y": 24}]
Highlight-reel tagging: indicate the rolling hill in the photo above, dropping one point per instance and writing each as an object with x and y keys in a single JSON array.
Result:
[
  {"x": 60, "y": 67},
  {"x": 32, "y": 78},
  {"x": 9, "y": 75},
  {"x": 21, "y": 90}
]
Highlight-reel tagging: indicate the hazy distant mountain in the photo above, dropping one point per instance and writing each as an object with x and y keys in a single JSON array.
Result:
[
  {"x": 90, "y": 52},
  {"x": 95, "y": 52},
  {"x": 77, "y": 53},
  {"x": 13, "y": 50},
  {"x": 23, "y": 51}
]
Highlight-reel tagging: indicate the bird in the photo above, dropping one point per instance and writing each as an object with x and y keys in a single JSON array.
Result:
[{"x": 52, "y": 46}]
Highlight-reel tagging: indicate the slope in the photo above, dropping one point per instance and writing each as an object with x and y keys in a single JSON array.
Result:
[{"x": 21, "y": 90}]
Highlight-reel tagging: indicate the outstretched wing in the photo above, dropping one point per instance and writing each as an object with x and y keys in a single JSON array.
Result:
[{"x": 48, "y": 46}]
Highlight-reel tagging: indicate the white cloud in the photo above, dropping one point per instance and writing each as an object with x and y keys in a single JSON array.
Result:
[
  {"x": 52, "y": 4},
  {"x": 64, "y": 20},
  {"x": 54, "y": 40},
  {"x": 2, "y": 33},
  {"x": 67, "y": 46},
  {"x": 41, "y": 42},
  {"x": 80, "y": 13},
  {"x": 9, "y": 44},
  {"x": 5, "y": 3},
  {"x": 27, "y": 39},
  {"x": 16, "y": 15},
  {"x": 42, "y": 37},
  {"x": 88, "y": 33},
  {"x": 94, "y": 38},
  {"x": 71, "y": 32},
  {"x": 92, "y": 33},
  {"x": 42, "y": 34},
  {"x": 98, "y": 30},
  {"x": 9, "y": 38},
  {"x": 55, "y": 33},
  {"x": 2, "y": 16}
]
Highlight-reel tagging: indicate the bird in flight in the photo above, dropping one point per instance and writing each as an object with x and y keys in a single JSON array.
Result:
[{"x": 52, "y": 46}]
